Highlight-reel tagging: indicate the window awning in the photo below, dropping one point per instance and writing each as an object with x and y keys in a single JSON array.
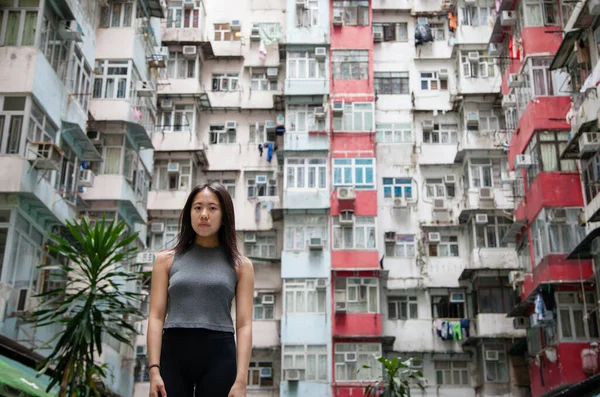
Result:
[
  {"x": 16, "y": 376},
  {"x": 565, "y": 49},
  {"x": 583, "y": 249}
]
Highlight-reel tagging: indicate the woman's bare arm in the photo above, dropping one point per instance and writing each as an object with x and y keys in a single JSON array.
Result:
[
  {"x": 244, "y": 297},
  {"x": 158, "y": 305}
]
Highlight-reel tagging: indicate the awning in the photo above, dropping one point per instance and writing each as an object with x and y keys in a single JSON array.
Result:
[
  {"x": 582, "y": 251},
  {"x": 79, "y": 142},
  {"x": 62, "y": 8},
  {"x": 19, "y": 377},
  {"x": 565, "y": 49}
]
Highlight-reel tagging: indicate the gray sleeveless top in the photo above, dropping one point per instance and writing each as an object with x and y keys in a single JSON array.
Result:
[{"x": 201, "y": 290}]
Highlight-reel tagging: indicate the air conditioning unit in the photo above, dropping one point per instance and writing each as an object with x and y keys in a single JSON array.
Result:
[
  {"x": 189, "y": 4},
  {"x": 44, "y": 155},
  {"x": 172, "y": 168},
  {"x": 473, "y": 118},
  {"x": 157, "y": 227},
  {"x": 491, "y": 355},
  {"x": 337, "y": 108},
  {"x": 315, "y": 243},
  {"x": 439, "y": 204},
  {"x": 270, "y": 125},
  {"x": 266, "y": 372},
  {"x": 163, "y": 52},
  {"x": 481, "y": 219},
  {"x": 255, "y": 32},
  {"x": 166, "y": 104},
  {"x": 443, "y": 74},
  {"x": 486, "y": 193},
  {"x": 345, "y": 193},
  {"x": 235, "y": 25},
  {"x": 389, "y": 237},
  {"x": 272, "y": 73},
  {"x": 377, "y": 37},
  {"x": 301, "y": 3},
  {"x": 320, "y": 53},
  {"x": 473, "y": 56},
  {"x": 189, "y": 51},
  {"x": 422, "y": 21},
  {"x": 321, "y": 283},
  {"x": 338, "y": 20},
  {"x": 350, "y": 357},
  {"x": 144, "y": 258},
  {"x": 231, "y": 125},
  {"x": 434, "y": 237},
  {"x": 346, "y": 218},
  {"x": 427, "y": 125},
  {"x": 509, "y": 100},
  {"x": 250, "y": 237},
  {"x": 515, "y": 80},
  {"x": 70, "y": 31},
  {"x": 589, "y": 142},
  {"x": 261, "y": 179},
  {"x": 557, "y": 215},
  {"x": 144, "y": 88},
  {"x": 86, "y": 178},
  {"x": 521, "y": 322},
  {"x": 319, "y": 112},
  {"x": 493, "y": 50},
  {"x": 523, "y": 161},
  {"x": 449, "y": 179},
  {"x": 457, "y": 297},
  {"x": 340, "y": 307},
  {"x": 292, "y": 375},
  {"x": 268, "y": 299},
  {"x": 515, "y": 277},
  {"x": 22, "y": 301},
  {"x": 508, "y": 18},
  {"x": 508, "y": 176},
  {"x": 400, "y": 202}
]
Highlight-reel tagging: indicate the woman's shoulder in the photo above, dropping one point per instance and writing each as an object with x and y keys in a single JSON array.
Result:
[
  {"x": 164, "y": 259},
  {"x": 244, "y": 266}
]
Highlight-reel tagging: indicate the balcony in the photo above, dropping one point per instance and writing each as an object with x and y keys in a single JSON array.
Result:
[
  {"x": 139, "y": 120},
  {"x": 306, "y": 198},
  {"x": 395, "y": 5},
  {"x": 306, "y": 87},
  {"x": 266, "y": 334},
  {"x": 503, "y": 258},
  {"x": 168, "y": 200},
  {"x": 494, "y": 325},
  {"x": 486, "y": 198},
  {"x": 228, "y": 49},
  {"x": 417, "y": 335},
  {"x": 481, "y": 140},
  {"x": 117, "y": 188},
  {"x": 306, "y": 141},
  {"x": 306, "y": 264},
  {"x": 356, "y": 325},
  {"x": 584, "y": 120},
  {"x": 310, "y": 329}
]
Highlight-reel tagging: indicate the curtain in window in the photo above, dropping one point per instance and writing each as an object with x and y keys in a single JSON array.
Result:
[
  {"x": 112, "y": 163},
  {"x": 12, "y": 28},
  {"x": 14, "y": 134},
  {"x": 549, "y": 157},
  {"x": 29, "y": 28}
]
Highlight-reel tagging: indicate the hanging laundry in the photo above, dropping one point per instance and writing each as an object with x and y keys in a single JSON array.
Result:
[
  {"x": 137, "y": 113},
  {"x": 423, "y": 34},
  {"x": 451, "y": 335},
  {"x": 540, "y": 308},
  {"x": 465, "y": 325},
  {"x": 257, "y": 212},
  {"x": 270, "y": 206},
  {"x": 451, "y": 22},
  {"x": 444, "y": 330},
  {"x": 260, "y": 149},
  {"x": 437, "y": 326},
  {"x": 269, "y": 152},
  {"x": 457, "y": 332},
  {"x": 262, "y": 50}
]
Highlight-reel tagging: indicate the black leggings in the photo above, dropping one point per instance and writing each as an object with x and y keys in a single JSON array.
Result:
[{"x": 197, "y": 362}]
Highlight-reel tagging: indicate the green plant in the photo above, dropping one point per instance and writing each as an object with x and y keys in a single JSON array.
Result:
[
  {"x": 93, "y": 302},
  {"x": 398, "y": 378}
]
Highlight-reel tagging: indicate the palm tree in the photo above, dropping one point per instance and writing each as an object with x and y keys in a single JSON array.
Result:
[
  {"x": 94, "y": 302},
  {"x": 398, "y": 378}
]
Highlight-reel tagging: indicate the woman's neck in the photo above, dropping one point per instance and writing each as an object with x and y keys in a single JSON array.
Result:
[{"x": 208, "y": 242}]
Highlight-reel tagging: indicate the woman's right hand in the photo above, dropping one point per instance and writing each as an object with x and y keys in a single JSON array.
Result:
[{"x": 156, "y": 384}]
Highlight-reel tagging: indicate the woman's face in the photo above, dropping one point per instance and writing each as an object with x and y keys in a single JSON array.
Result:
[{"x": 206, "y": 213}]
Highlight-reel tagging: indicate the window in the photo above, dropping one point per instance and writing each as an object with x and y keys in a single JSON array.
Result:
[
  {"x": 305, "y": 173},
  {"x": 51, "y": 45},
  {"x": 11, "y": 124},
  {"x": 68, "y": 177},
  {"x": 166, "y": 239},
  {"x": 350, "y": 64},
  {"x": 304, "y": 65},
  {"x": 180, "y": 119},
  {"x": 179, "y": 17},
  {"x": 300, "y": 229},
  {"x": 402, "y": 307},
  {"x": 360, "y": 294},
  {"x": 261, "y": 186},
  {"x": 260, "y": 374},
  {"x": 180, "y": 180},
  {"x": 225, "y": 82},
  {"x": 394, "y": 133},
  {"x": 542, "y": 77},
  {"x": 541, "y": 12},
  {"x": 79, "y": 80},
  {"x": 397, "y": 188},
  {"x": 447, "y": 247},
  {"x": 302, "y": 296},
  {"x": 260, "y": 82},
  {"x": 452, "y": 373},
  {"x": 430, "y": 81},
  {"x": 448, "y": 306},
  {"x": 180, "y": 67},
  {"x": 482, "y": 67},
  {"x": 494, "y": 295},
  {"x": 117, "y": 15},
  {"x": 20, "y": 22},
  {"x": 359, "y": 235},
  {"x": 436, "y": 188},
  {"x": 402, "y": 247},
  {"x": 491, "y": 234},
  {"x": 357, "y": 172},
  {"x": 591, "y": 177},
  {"x": 301, "y": 118},
  {"x": 350, "y": 360},
  {"x": 230, "y": 186},
  {"x": 311, "y": 359},
  {"x": 223, "y": 33},
  {"x": 113, "y": 82},
  {"x": 258, "y": 134},
  {"x": 353, "y": 12},
  {"x": 357, "y": 116},
  {"x": 476, "y": 15},
  {"x": 556, "y": 237},
  {"x": 438, "y": 30},
  {"x": 496, "y": 363},
  {"x": 309, "y": 15},
  {"x": 545, "y": 148},
  {"x": 392, "y": 31},
  {"x": 488, "y": 121},
  {"x": 572, "y": 313},
  {"x": 40, "y": 129},
  {"x": 264, "y": 307},
  {"x": 444, "y": 134},
  {"x": 26, "y": 253},
  {"x": 391, "y": 83},
  {"x": 480, "y": 172},
  {"x": 263, "y": 247},
  {"x": 218, "y": 134}
]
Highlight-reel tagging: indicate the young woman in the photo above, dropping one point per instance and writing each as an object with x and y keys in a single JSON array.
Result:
[{"x": 193, "y": 352}]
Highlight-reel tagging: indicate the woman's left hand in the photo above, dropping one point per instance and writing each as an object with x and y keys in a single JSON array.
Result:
[{"x": 238, "y": 389}]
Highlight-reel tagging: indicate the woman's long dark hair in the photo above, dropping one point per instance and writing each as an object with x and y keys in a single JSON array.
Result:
[{"x": 227, "y": 233}]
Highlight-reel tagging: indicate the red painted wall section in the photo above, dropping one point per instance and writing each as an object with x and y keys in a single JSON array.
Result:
[
  {"x": 550, "y": 189},
  {"x": 346, "y": 145},
  {"x": 545, "y": 113},
  {"x": 365, "y": 203},
  {"x": 556, "y": 268},
  {"x": 541, "y": 39},
  {"x": 341, "y": 259},
  {"x": 566, "y": 370},
  {"x": 357, "y": 324},
  {"x": 344, "y": 390}
]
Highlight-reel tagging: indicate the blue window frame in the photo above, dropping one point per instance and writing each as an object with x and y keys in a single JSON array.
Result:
[
  {"x": 397, "y": 187},
  {"x": 358, "y": 172}
]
